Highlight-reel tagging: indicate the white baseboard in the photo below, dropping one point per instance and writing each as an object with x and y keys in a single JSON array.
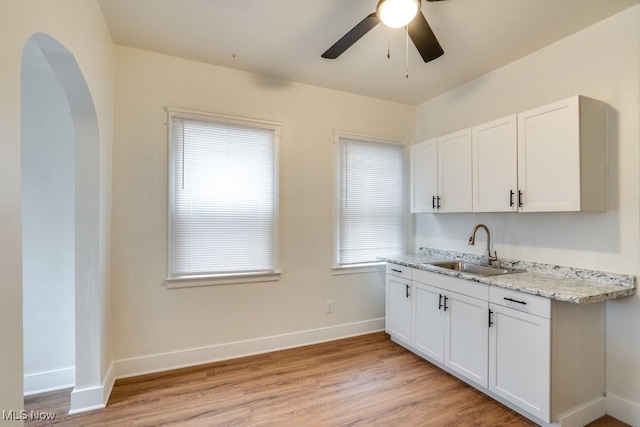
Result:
[
  {"x": 623, "y": 410},
  {"x": 585, "y": 414},
  {"x": 198, "y": 356},
  {"x": 43, "y": 382},
  {"x": 92, "y": 398}
]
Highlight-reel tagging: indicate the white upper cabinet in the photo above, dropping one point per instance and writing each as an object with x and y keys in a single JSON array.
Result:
[
  {"x": 549, "y": 159},
  {"x": 424, "y": 176},
  {"x": 562, "y": 156},
  {"x": 441, "y": 174},
  {"x": 495, "y": 166},
  {"x": 454, "y": 172}
]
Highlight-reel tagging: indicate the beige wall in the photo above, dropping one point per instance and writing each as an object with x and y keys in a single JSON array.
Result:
[
  {"x": 79, "y": 26},
  {"x": 192, "y": 324},
  {"x": 601, "y": 62}
]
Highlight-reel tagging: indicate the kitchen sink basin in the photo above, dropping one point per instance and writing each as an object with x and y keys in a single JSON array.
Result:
[{"x": 470, "y": 268}]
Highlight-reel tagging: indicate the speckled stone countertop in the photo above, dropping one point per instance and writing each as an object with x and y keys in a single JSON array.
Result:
[{"x": 578, "y": 286}]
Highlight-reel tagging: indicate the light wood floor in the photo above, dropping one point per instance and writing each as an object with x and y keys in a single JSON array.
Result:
[{"x": 366, "y": 380}]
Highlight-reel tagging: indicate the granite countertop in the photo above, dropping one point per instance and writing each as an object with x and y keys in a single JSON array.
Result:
[{"x": 578, "y": 286}]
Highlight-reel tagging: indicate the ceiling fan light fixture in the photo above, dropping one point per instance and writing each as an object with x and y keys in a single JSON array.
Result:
[{"x": 397, "y": 13}]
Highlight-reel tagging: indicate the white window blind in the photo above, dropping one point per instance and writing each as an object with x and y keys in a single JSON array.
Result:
[
  {"x": 223, "y": 198},
  {"x": 372, "y": 200}
]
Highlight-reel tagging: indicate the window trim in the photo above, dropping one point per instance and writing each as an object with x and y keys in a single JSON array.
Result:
[
  {"x": 187, "y": 281},
  {"x": 367, "y": 267},
  {"x": 222, "y": 279}
]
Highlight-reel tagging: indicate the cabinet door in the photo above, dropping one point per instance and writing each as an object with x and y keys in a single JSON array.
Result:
[
  {"x": 424, "y": 176},
  {"x": 454, "y": 172},
  {"x": 428, "y": 321},
  {"x": 466, "y": 337},
  {"x": 549, "y": 157},
  {"x": 398, "y": 308},
  {"x": 519, "y": 359},
  {"x": 495, "y": 161}
]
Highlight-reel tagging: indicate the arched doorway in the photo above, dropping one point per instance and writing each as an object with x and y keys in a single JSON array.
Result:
[{"x": 61, "y": 256}]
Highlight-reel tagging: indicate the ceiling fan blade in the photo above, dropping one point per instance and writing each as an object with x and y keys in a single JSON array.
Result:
[
  {"x": 424, "y": 39},
  {"x": 352, "y": 36}
]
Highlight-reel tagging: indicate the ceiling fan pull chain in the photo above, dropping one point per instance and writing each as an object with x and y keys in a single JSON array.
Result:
[
  {"x": 388, "y": 42},
  {"x": 406, "y": 53}
]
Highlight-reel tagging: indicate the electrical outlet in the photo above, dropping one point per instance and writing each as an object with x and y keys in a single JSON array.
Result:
[{"x": 328, "y": 306}]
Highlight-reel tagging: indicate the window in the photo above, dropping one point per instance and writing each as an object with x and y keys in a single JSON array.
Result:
[
  {"x": 222, "y": 199},
  {"x": 371, "y": 200}
]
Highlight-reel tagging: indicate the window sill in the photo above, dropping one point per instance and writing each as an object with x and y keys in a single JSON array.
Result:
[
  {"x": 221, "y": 279},
  {"x": 371, "y": 267}
]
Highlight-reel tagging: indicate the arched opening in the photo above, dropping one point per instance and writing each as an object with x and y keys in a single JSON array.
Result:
[
  {"x": 48, "y": 228},
  {"x": 60, "y": 217}
]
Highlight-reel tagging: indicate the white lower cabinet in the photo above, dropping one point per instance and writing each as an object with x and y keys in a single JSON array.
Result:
[
  {"x": 398, "y": 302},
  {"x": 428, "y": 321},
  {"x": 543, "y": 358},
  {"x": 547, "y": 357},
  {"x": 451, "y": 327},
  {"x": 520, "y": 358},
  {"x": 465, "y": 344}
]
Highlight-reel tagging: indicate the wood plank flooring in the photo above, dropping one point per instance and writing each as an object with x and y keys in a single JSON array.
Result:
[{"x": 360, "y": 381}]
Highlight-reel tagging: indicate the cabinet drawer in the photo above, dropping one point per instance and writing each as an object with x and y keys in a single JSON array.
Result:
[
  {"x": 399, "y": 271},
  {"x": 454, "y": 284},
  {"x": 521, "y": 301}
]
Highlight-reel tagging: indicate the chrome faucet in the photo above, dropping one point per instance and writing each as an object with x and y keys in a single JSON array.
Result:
[{"x": 472, "y": 241}]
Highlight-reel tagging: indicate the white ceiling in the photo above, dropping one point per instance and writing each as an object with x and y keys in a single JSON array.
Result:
[{"x": 285, "y": 38}]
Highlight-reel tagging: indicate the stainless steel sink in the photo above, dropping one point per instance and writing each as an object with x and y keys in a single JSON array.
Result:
[{"x": 470, "y": 268}]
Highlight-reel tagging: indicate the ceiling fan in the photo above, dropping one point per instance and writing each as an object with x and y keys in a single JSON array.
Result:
[{"x": 417, "y": 28}]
